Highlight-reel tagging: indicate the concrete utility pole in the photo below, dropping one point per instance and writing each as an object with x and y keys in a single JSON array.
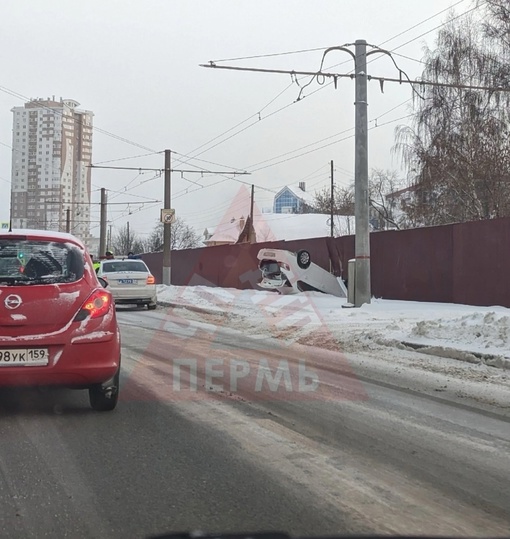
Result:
[
  {"x": 251, "y": 232},
  {"x": 102, "y": 224},
  {"x": 128, "y": 245},
  {"x": 167, "y": 227},
  {"x": 362, "y": 244},
  {"x": 362, "y": 266},
  {"x": 332, "y": 201}
]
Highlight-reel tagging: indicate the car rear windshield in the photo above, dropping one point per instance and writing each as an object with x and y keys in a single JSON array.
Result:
[
  {"x": 24, "y": 261},
  {"x": 124, "y": 266}
]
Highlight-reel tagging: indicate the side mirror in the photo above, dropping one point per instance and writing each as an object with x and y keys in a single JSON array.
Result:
[{"x": 104, "y": 282}]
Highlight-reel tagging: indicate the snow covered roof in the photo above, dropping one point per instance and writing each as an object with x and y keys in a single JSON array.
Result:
[
  {"x": 300, "y": 226},
  {"x": 232, "y": 223},
  {"x": 276, "y": 226},
  {"x": 305, "y": 196}
]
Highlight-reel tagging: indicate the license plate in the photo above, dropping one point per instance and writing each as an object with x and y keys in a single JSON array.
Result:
[
  {"x": 127, "y": 281},
  {"x": 26, "y": 356}
]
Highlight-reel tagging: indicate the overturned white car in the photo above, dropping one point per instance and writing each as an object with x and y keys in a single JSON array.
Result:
[{"x": 290, "y": 273}]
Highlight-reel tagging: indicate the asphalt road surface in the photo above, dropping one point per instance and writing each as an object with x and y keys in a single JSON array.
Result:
[{"x": 218, "y": 431}]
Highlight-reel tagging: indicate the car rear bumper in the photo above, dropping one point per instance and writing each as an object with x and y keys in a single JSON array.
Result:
[
  {"x": 69, "y": 365},
  {"x": 135, "y": 301}
]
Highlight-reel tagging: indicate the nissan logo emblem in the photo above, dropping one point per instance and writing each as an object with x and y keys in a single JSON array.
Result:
[{"x": 12, "y": 301}]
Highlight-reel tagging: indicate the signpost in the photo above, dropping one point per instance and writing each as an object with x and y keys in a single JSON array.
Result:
[{"x": 167, "y": 216}]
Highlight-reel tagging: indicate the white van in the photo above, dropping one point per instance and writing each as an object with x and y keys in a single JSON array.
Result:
[{"x": 290, "y": 273}]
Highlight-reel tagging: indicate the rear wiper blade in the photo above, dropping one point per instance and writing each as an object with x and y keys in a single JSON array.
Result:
[
  {"x": 12, "y": 280},
  {"x": 49, "y": 279}
]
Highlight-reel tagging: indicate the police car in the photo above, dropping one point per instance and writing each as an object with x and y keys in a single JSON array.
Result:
[{"x": 130, "y": 281}]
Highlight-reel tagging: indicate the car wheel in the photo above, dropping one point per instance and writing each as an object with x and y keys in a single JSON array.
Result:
[
  {"x": 104, "y": 397},
  {"x": 151, "y": 306},
  {"x": 303, "y": 259}
]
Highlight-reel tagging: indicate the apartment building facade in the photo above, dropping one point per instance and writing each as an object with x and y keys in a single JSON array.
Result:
[{"x": 52, "y": 151}]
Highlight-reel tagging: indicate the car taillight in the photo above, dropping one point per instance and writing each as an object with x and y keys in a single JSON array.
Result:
[
  {"x": 150, "y": 279},
  {"x": 97, "y": 305}
]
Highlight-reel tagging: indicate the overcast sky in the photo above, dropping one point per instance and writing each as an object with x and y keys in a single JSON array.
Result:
[{"x": 135, "y": 64}]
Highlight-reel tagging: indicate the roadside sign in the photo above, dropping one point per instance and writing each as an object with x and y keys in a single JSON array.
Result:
[{"x": 167, "y": 216}]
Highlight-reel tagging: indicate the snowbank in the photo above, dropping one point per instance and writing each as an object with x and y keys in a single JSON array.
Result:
[{"x": 313, "y": 318}]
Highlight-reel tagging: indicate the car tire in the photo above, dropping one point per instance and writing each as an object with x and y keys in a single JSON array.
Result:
[
  {"x": 104, "y": 397},
  {"x": 303, "y": 259},
  {"x": 151, "y": 306}
]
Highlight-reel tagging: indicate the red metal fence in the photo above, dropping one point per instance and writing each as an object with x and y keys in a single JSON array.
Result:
[{"x": 461, "y": 263}]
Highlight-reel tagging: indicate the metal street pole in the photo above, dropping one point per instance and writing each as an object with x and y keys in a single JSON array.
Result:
[
  {"x": 68, "y": 220},
  {"x": 102, "y": 224},
  {"x": 362, "y": 242},
  {"x": 332, "y": 200},
  {"x": 167, "y": 227},
  {"x": 251, "y": 232}
]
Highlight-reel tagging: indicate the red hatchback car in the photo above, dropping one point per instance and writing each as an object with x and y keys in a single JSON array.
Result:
[{"x": 57, "y": 322}]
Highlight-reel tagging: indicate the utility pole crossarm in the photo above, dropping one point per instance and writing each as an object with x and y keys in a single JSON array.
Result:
[
  {"x": 140, "y": 169},
  {"x": 211, "y": 172},
  {"x": 352, "y": 76}
]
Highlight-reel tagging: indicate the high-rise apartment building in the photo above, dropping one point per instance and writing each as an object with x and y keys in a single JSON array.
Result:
[{"x": 52, "y": 148}]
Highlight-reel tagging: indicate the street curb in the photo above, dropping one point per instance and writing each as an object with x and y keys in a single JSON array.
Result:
[
  {"x": 188, "y": 307},
  {"x": 491, "y": 360}
]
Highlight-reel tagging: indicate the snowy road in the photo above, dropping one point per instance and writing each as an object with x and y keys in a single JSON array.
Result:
[
  {"x": 219, "y": 431},
  {"x": 402, "y": 450}
]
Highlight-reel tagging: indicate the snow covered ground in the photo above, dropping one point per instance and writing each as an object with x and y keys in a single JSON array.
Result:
[
  {"x": 473, "y": 334},
  {"x": 459, "y": 352}
]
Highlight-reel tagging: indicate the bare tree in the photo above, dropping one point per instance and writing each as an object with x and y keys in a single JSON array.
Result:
[
  {"x": 387, "y": 210},
  {"x": 183, "y": 236},
  {"x": 496, "y": 23},
  {"x": 458, "y": 149},
  {"x": 385, "y": 203},
  {"x": 123, "y": 241},
  {"x": 343, "y": 201}
]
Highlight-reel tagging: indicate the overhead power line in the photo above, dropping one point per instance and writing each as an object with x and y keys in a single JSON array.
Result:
[
  {"x": 127, "y": 158},
  {"x": 420, "y": 23},
  {"x": 41, "y": 103},
  {"x": 463, "y": 14},
  {"x": 271, "y": 54},
  {"x": 258, "y": 114}
]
